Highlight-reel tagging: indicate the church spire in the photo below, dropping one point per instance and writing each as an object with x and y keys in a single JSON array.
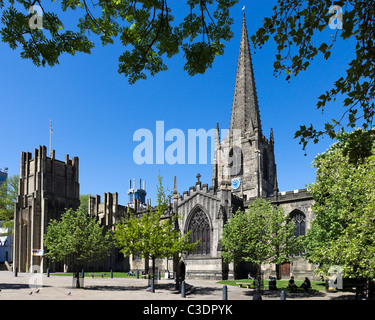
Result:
[{"x": 245, "y": 109}]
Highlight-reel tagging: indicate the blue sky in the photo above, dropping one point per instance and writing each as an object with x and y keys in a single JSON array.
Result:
[{"x": 95, "y": 112}]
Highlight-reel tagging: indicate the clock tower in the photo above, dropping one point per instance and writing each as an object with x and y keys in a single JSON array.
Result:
[{"x": 245, "y": 158}]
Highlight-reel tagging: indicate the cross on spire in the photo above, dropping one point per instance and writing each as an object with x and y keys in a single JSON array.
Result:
[{"x": 198, "y": 177}]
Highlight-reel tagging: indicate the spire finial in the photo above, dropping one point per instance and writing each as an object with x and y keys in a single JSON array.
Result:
[{"x": 175, "y": 185}]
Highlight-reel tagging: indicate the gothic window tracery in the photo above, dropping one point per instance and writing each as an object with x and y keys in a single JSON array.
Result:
[
  {"x": 299, "y": 222},
  {"x": 200, "y": 229}
]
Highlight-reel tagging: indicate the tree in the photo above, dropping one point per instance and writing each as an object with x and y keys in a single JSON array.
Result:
[
  {"x": 152, "y": 235},
  {"x": 262, "y": 234},
  {"x": 294, "y": 25},
  {"x": 343, "y": 230},
  {"x": 8, "y": 198},
  {"x": 79, "y": 236},
  {"x": 84, "y": 201},
  {"x": 148, "y": 27}
]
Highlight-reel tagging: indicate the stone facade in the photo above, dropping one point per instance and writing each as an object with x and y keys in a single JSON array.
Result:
[{"x": 47, "y": 187}]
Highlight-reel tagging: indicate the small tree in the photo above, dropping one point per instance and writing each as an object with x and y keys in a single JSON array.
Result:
[
  {"x": 8, "y": 198},
  {"x": 152, "y": 235},
  {"x": 77, "y": 235},
  {"x": 262, "y": 234}
]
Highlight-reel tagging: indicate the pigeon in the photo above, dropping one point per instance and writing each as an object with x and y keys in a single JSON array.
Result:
[
  {"x": 69, "y": 293},
  {"x": 37, "y": 291},
  {"x": 30, "y": 293}
]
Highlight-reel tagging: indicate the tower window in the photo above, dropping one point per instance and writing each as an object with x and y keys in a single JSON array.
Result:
[{"x": 235, "y": 161}]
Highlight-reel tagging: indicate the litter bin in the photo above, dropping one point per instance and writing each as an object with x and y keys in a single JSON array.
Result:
[{"x": 272, "y": 283}]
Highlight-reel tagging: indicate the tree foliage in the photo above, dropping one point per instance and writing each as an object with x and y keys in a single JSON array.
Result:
[
  {"x": 262, "y": 234},
  {"x": 8, "y": 198},
  {"x": 77, "y": 235},
  {"x": 154, "y": 234},
  {"x": 294, "y": 26},
  {"x": 150, "y": 31},
  {"x": 343, "y": 230}
]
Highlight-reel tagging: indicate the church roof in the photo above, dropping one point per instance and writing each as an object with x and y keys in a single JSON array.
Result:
[{"x": 245, "y": 109}]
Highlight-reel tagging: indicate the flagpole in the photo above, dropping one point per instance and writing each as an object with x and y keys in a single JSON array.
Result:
[{"x": 50, "y": 135}]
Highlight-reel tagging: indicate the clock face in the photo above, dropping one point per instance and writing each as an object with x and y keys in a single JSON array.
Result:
[{"x": 236, "y": 182}]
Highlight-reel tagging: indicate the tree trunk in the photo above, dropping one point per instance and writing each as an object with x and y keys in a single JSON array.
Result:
[
  {"x": 278, "y": 271},
  {"x": 78, "y": 285},
  {"x": 153, "y": 266},
  {"x": 259, "y": 277},
  {"x": 77, "y": 280}
]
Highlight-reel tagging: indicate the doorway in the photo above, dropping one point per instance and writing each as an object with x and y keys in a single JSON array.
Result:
[{"x": 285, "y": 270}]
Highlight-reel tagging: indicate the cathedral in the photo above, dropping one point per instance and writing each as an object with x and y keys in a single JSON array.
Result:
[{"x": 244, "y": 169}]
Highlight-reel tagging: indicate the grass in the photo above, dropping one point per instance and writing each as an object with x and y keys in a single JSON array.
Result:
[
  {"x": 99, "y": 274},
  {"x": 280, "y": 284}
]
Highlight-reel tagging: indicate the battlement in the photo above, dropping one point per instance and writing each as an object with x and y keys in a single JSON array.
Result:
[
  {"x": 198, "y": 187},
  {"x": 109, "y": 212},
  {"x": 285, "y": 196}
]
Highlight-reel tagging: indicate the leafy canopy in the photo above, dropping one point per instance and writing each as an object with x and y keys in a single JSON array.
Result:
[
  {"x": 262, "y": 234},
  {"x": 343, "y": 230},
  {"x": 154, "y": 234},
  {"x": 8, "y": 198},
  {"x": 77, "y": 235},
  {"x": 149, "y": 30},
  {"x": 294, "y": 26}
]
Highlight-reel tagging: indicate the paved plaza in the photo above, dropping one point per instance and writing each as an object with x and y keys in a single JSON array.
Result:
[{"x": 40, "y": 287}]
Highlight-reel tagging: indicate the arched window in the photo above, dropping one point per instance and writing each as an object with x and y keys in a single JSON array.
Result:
[
  {"x": 200, "y": 229},
  {"x": 265, "y": 165},
  {"x": 299, "y": 219},
  {"x": 235, "y": 161}
]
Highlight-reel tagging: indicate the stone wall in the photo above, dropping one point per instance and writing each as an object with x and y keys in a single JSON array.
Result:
[{"x": 46, "y": 188}]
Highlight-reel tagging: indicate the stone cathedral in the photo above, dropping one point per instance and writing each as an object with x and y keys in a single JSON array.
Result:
[{"x": 244, "y": 169}]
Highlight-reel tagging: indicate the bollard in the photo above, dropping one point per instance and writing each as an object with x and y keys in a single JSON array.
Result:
[
  {"x": 15, "y": 271},
  {"x": 137, "y": 274},
  {"x": 225, "y": 293},
  {"x": 152, "y": 285},
  {"x": 83, "y": 273},
  {"x": 47, "y": 272},
  {"x": 111, "y": 274},
  {"x": 282, "y": 295},
  {"x": 159, "y": 276},
  {"x": 183, "y": 295}
]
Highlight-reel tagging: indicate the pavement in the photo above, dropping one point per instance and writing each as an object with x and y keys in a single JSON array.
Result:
[{"x": 28, "y": 286}]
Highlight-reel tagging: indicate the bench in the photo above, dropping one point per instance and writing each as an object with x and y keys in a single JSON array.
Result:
[
  {"x": 144, "y": 276},
  {"x": 244, "y": 284},
  {"x": 100, "y": 274}
]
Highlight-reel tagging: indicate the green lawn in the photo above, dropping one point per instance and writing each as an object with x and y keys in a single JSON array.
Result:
[
  {"x": 280, "y": 284},
  {"x": 98, "y": 274}
]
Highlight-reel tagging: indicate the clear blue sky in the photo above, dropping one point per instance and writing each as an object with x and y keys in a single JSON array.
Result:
[{"x": 95, "y": 112}]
